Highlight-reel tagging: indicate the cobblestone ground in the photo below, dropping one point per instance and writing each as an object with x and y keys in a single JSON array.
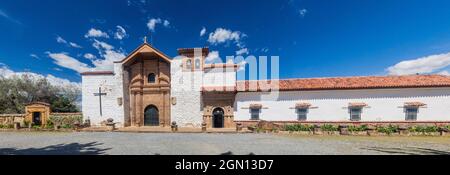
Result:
[{"x": 214, "y": 144}]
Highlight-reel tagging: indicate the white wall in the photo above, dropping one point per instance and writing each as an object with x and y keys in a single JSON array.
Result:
[
  {"x": 110, "y": 84},
  {"x": 185, "y": 88},
  {"x": 383, "y": 104},
  {"x": 220, "y": 77}
]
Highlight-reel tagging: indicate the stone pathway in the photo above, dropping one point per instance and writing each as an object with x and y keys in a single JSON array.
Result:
[{"x": 119, "y": 143}]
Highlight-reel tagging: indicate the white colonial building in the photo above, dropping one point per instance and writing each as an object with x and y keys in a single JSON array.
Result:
[{"x": 148, "y": 88}]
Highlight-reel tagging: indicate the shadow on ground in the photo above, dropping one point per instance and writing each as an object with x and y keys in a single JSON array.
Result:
[
  {"x": 60, "y": 149},
  {"x": 409, "y": 151}
]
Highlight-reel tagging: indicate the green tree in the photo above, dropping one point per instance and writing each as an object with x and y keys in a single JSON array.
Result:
[{"x": 17, "y": 91}]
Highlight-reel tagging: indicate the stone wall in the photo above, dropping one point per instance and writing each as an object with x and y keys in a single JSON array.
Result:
[
  {"x": 9, "y": 119},
  {"x": 247, "y": 123}
]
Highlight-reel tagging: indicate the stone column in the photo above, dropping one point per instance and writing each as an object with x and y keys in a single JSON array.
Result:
[
  {"x": 133, "y": 109},
  {"x": 139, "y": 110}
]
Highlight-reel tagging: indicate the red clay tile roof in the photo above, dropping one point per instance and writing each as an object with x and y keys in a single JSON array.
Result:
[
  {"x": 302, "y": 105},
  {"x": 357, "y": 104},
  {"x": 381, "y": 82},
  {"x": 414, "y": 104},
  {"x": 98, "y": 73}
]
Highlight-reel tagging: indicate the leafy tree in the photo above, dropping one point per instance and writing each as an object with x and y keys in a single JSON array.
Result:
[{"x": 17, "y": 91}]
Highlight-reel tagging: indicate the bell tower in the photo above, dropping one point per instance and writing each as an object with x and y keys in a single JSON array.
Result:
[{"x": 194, "y": 58}]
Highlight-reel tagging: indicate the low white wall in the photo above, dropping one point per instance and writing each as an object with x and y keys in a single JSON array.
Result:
[
  {"x": 383, "y": 104},
  {"x": 219, "y": 77},
  {"x": 112, "y": 86}
]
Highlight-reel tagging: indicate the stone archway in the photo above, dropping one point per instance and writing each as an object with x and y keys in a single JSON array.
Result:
[
  {"x": 151, "y": 116},
  {"x": 218, "y": 118}
]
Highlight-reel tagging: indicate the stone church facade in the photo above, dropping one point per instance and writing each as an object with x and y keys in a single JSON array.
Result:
[{"x": 149, "y": 88}]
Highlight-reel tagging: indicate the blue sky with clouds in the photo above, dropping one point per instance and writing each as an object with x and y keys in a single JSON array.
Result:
[{"x": 313, "y": 38}]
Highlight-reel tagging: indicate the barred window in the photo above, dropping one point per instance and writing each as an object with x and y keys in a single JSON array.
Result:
[
  {"x": 355, "y": 113},
  {"x": 302, "y": 114},
  {"x": 411, "y": 113},
  {"x": 255, "y": 114}
]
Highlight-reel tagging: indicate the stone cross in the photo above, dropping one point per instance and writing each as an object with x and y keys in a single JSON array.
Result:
[{"x": 100, "y": 94}]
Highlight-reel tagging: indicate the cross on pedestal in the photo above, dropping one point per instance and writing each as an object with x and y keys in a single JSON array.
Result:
[{"x": 100, "y": 94}]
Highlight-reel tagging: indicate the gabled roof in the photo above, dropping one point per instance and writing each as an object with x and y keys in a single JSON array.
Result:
[{"x": 145, "y": 47}]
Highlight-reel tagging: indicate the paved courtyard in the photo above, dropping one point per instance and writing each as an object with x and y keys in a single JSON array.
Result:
[{"x": 213, "y": 144}]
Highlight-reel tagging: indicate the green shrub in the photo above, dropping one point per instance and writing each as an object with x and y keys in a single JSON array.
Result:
[
  {"x": 388, "y": 129},
  {"x": 358, "y": 128},
  {"x": 65, "y": 121},
  {"x": 423, "y": 129},
  {"x": 6, "y": 126},
  {"x": 36, "y": 126},
  {"x": 448, "y": 127},
  {"x": 299, "y": 127},
  {"x": 328, "y": 127}
]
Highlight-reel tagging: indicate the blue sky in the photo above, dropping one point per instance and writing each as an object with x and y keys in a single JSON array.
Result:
[{"x": 313, "y": 38}]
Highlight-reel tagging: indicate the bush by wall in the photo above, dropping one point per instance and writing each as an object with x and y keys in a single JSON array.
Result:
[
  {"x": 353, "y": 128},
  {"x": 328, "y": 127},
  {"x": 423, "y": 129},
  {"x": 64, "y": 120},
  {"x": 299, "y": 127},
  {"x": 388, "y": 129}
]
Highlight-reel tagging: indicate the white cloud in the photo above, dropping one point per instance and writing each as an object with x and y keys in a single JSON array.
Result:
[
  {"x": 94, "y": 33},
  {"x": 302, "y": 12},
  {"x": 89, "y": 56},
  {"x": 203, "y": 31},
  {"x": 64, "y": 60},
  {"x": 70, "y": 44},
  {"x": 9, "y": 18},
  {"x": 428, "y": 64},
  {"x": 61, "y": 40},
  {"x": 60, "y": 82},
  {"x": 121, "y": 33},
  {"x": 242, "y": 51},
  {"x": 224, "y": 35},
  {"x": 34, "y": 56},
  {"x": 166, "y": 23},
  {"x": 75, "y": 45},
  {"x": 213, "y": 57},
  {"x": 107, "y": 52},
  {"x": 102, "y": 45},
  {"x": 152, "y": 23},
  {"x": 444, "y": 73}
]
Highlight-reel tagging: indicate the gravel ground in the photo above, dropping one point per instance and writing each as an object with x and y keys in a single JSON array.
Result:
[{"x": 213, "y": 144}]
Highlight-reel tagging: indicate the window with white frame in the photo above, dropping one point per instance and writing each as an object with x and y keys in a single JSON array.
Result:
[
  {"x": 355, "y": 113},
  {"x": 302, "y": 114}
]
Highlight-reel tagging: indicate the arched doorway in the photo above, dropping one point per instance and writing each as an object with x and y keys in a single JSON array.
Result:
[
  {"x": 218, "y": 118},
  {"x": 151, "y": 116}
]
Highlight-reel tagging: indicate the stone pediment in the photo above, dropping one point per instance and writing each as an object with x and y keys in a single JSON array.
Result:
[{"x": 145, "y": 49}]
